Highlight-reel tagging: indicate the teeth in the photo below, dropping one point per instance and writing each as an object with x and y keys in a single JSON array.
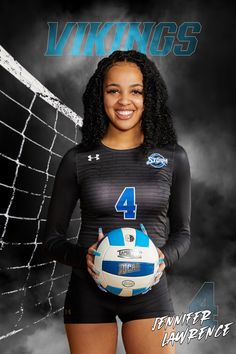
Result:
[{"x": 125, "y": 113}]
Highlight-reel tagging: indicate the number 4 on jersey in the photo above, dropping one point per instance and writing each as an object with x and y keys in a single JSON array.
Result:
[{"x": 126, "y": 203}]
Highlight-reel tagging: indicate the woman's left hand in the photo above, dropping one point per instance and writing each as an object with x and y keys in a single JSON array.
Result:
[
  {"x": 161, "y": 266},
  {"x": 161, "y": 259}
]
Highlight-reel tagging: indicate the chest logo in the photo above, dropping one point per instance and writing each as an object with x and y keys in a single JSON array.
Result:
[
  {"x": 156, "y": 160},
  {"x": 96, "y": 157}
]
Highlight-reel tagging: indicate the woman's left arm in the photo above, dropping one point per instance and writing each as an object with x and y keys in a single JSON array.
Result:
[{"x": 179, "y": 211}]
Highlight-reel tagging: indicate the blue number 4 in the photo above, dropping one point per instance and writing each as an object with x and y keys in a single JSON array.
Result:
[{"x": 126, "y": 203}]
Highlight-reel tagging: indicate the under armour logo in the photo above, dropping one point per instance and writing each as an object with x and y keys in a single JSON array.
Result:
[{"x": 96, "y": 157}]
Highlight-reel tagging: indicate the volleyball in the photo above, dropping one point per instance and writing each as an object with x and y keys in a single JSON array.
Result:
[{"x": 127, "y": 261}]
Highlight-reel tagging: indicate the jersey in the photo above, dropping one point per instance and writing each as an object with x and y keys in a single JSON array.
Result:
[{"x": 120, "y": 188}]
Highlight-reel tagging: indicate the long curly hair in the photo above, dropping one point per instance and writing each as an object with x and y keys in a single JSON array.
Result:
[{"x": 156, "y": 124}]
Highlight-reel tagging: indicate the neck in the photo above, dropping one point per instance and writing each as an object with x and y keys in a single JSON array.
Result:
[{"x": 123, "y": 139}]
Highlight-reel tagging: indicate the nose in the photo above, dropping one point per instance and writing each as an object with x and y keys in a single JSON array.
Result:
[{"x": 124, "y": 99}]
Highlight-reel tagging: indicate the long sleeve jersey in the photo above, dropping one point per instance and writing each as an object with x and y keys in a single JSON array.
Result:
[{"x": 120, "y": 188}]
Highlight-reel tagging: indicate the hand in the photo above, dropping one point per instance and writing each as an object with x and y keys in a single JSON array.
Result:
[
  {"x": 90, "y": 256},
  {"x": 161, "y": 259},
  {"x": 161, "y": 266}
]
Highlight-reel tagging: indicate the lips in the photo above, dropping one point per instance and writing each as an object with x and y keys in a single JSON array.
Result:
[{"x": 124, "y": 114}]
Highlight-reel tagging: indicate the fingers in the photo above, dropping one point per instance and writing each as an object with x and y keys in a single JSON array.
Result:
[
  {"x": 161, "y": 259},
  {"x": 161, "y": 266},
  {"x": 157, "y": 277},
  {"x": 160, "y": 253},
  {"x": 93, "y": 274},
  {"x": 100, "y": 234},
  {"x": 92, "y": 251},
  {"x": 143, "y": 229},
  {"x": 90, "y": 267},
  {"x": 90, "y": 262},
  {"x": 159, "y": 272},
  {"x": 156, "y": 281}
]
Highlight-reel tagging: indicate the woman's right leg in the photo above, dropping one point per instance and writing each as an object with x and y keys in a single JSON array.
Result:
[{"x": 92, "y": 338}]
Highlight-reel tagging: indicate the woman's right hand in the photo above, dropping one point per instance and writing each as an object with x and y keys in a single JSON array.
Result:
[{"x": 90, "y": 256}]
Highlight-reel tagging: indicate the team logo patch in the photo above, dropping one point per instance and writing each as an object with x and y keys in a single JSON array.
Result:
[{"x": 157, "y": 160}]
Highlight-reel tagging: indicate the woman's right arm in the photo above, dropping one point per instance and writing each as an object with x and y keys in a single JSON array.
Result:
[{"x": 64, "y": 197}]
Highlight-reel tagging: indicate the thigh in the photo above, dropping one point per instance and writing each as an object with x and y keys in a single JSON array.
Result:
[
  {"x": 85, "y": 303},
  {"x": 155, "y": 303},
  {"x": 139, "y": 338},
  {"x": 96, "y": 338}
]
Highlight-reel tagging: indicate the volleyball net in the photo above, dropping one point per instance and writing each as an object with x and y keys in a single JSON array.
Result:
[{"x": 36, "y": 129}]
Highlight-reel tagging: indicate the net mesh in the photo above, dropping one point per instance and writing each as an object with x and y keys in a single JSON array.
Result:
[{"x": 36, "y": 130}]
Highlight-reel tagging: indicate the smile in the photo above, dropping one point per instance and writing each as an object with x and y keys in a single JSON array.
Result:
[{"x": 124, "y": 114}]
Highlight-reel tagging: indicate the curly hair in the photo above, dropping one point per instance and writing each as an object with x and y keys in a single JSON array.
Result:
[{"x": 156, "y": 124}]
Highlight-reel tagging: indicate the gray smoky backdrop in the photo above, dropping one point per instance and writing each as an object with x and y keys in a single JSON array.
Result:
[{"x": 202, "y": 101}]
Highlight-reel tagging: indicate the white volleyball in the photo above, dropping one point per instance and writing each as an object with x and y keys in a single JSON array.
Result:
[{"x": 127, "y": 261}]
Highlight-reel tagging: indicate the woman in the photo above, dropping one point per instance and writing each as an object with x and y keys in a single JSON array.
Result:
[{"x": 128, "y": 170}]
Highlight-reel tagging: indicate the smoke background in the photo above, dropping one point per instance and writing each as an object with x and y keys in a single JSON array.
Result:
[{"x": 202, "y": 101}]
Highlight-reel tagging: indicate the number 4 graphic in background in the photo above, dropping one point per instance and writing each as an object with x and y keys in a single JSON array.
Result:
[
  {"x": 126, "y": 203},
  {"x": 205, "y": 300}
]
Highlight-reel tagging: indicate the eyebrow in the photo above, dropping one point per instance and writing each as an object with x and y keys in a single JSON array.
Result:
[{"x": 113, "y": 84}]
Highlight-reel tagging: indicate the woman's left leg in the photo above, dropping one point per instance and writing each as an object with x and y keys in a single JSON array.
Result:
[{"x": 139, "y": 338}]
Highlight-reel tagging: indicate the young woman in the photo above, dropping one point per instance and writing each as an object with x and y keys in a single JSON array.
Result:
[{"x": 129, "y": 150}]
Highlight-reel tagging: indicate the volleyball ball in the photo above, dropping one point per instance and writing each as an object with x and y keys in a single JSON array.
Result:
[{"x": 127, "y": 261}]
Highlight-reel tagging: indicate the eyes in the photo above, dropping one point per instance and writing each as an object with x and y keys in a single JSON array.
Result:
[{"x": 134, "y": 92}]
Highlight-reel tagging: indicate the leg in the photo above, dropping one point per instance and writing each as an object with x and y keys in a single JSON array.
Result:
[
  {"x": 96, "y": 338},
  {"x": 139, "y": 338}
]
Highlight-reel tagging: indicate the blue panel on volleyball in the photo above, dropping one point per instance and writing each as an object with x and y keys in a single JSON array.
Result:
[
  {"x": 138, "y": 291},
  {"x": 142, "y": 240},
  {"x": 113, "y": 290},
  {"x": 128, "y": 269},
  {"x": 116, "y": 238}
]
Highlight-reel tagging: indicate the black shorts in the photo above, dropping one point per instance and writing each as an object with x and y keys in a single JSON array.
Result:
[{"x": 86, "y": 303}]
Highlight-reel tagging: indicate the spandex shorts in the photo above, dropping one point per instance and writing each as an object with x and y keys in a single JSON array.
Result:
[{"x": 86, "y": 303}]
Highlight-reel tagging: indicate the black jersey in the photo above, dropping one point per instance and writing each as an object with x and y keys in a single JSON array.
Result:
[{"x": 120, "y": 188}]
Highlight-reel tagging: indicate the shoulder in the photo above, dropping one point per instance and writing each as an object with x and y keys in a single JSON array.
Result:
[
  {"x": 66, "y": 168},
  {"x": 181, "y": 162},
  {"x": 76, "y": 157},
  {"x": 180, "y": 154},
  {"x": 177, "y": 152},
  {"x": 68, "y": 160},
  {"x": 70, "y": 154},
  {"x": 74, "y": 151}
]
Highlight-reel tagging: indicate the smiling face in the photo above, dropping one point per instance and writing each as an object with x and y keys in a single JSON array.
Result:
[{"x": 123, "y": 96}]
